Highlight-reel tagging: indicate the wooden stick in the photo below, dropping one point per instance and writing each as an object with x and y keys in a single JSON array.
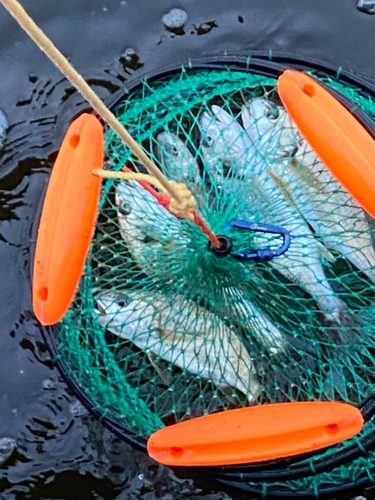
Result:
[{"x": 45, "y": 44}]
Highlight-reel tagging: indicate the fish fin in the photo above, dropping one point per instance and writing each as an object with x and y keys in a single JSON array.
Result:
[
  {"x": 325, "y": 253},
  {"x": 165, "y": 334},
  {"x": 230, "y": 395},
  {"x": 284, "y": 187},
  {"x": 166, "y": 377},
  {"x": 247, "y": 120},
  {"x": 222, "y": 115}
]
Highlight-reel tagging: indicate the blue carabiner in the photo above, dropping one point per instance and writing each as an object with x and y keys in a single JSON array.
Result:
[{"x": 263, "y": 254}]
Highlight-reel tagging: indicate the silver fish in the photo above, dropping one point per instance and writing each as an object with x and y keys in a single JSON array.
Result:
[
  {"x": 183, "y": 333},
  {"x": 277, "y": 139},
  {"x": 335, "y": 216},
  {"x": 302, "y": 263},
  {"x": 266, "y": 332},
  {"x": 150, "y": 231},
  {"x": 270, "y": 129},
  {"x": 177, "y": 161},
  {"x": 225, "y": 145}
]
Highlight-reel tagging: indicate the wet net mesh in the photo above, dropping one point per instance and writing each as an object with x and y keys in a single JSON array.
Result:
[{"x": 163, "y": 330}]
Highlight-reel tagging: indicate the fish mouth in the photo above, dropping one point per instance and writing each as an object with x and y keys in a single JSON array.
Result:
[
  {"x": 102, "y": 304},
  {"x": 289, "y": 153},
  {"x": 296, "y": 148},
  {"x": 100, "y": 308}
]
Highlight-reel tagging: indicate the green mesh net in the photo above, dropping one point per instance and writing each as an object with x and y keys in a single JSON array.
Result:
[{"x": 163, "y": 330}]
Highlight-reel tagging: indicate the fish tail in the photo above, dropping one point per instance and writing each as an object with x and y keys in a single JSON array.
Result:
[{"x": 363, "y": 259}]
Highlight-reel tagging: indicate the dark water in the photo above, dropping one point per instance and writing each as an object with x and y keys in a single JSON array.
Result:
[{"x": 62, "y": 453}]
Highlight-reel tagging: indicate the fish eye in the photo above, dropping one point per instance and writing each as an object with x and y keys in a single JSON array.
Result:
[
  {"x": 207, "y": 142},
  {"x": 175, "y": 151},
  {"x": 124, "y": 209},
  {"x": 123, "y": 300},
  {"x": 227, "y": 169},
  {"x": 272, "y": 113},
  {"x": 149, "y": 239}
]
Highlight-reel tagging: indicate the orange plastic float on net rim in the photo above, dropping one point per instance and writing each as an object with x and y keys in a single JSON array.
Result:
[
  {"x": 340, "y": 141},
  {"x": 68, "y": 219},
  {"x": 255, "y": 434}
]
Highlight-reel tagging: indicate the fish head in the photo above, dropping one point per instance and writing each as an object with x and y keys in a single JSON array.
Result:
[
  {"x": 224, "y": 143},
  {"x": 270, "y": 129},
  {"x": 139, "y": 209},
  {"x": 234, "y": 135},
  {"x": 129, "y": 315},
  {"x": 133, "y": 200},
  {"x": 212, "y": 144},
  {"x": 113, "y": 308},
  {"x": 212, "y": 139},
  {"x": 176, "y": 159},
  {"x": 226, "y": 138}
]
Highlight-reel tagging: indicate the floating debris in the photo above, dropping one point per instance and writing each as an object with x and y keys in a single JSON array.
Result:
[
  {"x": 48, "y": 384},
  {"x": 367, "y": 6},
  {"x": 205, "y": 28},
  {"x": 130, "y": 59},
  {"x": 7, "y": 447},
  {"x": 77, "y": 409},
  {"x": 175, "y": 20}
]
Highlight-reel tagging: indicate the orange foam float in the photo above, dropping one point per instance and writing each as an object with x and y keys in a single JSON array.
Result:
[
  {"x": 68, "y": 219},
  {"x": 255, "y": 434},
  {"x": 337, "y": 137}
]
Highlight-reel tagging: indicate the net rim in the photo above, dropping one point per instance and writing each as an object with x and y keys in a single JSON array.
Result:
[{"x": 269, "y": 65}]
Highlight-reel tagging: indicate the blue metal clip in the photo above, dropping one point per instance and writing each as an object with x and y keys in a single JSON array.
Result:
[{"x": 263, "y": 254}]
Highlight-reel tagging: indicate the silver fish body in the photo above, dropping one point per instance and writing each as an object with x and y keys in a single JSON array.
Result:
[
  {"x": 335, "y": 216},
  {"x": 225, "y": 145},
  {"x": 182, "y": 333},
  {"x": 179, "y": 164},
  {"x": 259, "y": 325},
  {"x": 302, "y": 263},
  {"x": 275, "y": 137},
  {"x": 150, "y": 231}
]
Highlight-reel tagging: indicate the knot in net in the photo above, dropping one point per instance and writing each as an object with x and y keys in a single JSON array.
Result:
[{"x": 162, "y": 329}]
